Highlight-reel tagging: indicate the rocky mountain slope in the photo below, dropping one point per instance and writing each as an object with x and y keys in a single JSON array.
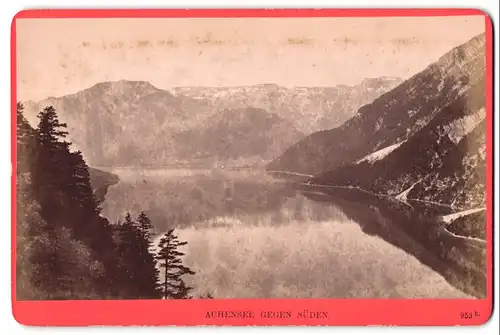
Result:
[
  {"x": 117, "y": 123},
  {"x": 417, "y": 157},
  {"x": 444, "y": 162},
  {"x": 308, "y": 108},
  {"x": 236, "y": 137},
  {"x": 392, "y": 118},
  {"x": 135, "y": 123}
]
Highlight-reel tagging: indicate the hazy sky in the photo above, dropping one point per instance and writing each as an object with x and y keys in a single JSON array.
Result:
[{"x": 61, "y": 56}]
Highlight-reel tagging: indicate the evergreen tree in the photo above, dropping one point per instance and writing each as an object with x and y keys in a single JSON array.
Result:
[
  {"x": 50, "y": 212},
  {"x": 125, "y": 243},
  {"x": 25, "y": 142},
  {"x": 23, "y": 217},
  {"x": 48, "y": 168},
  {"x": 65, "y": 249},
  {"x": 149, "y": 265},
  {"x": 145, "y": 226},
  {"x": 42, "y": 233},
  {"x": 138, "y": 265},
  {"x": 174, "y": 286}
]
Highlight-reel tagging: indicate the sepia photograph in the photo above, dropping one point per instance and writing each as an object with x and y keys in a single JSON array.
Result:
[{"x": 244, "y": 158}]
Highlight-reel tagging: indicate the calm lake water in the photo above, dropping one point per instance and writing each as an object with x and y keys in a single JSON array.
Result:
[{"x": 252, "y": 236}]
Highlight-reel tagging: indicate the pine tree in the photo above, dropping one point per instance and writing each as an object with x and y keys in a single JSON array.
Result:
[
  {"x": 149, "y": 265},
  {"x": 125, "y": 250},
  {"x": 57, "y": 235},
  {"x": 43, "y": 189},
  {"x": 25, "y": 142},
  {"x": 65, "y": 249},
  {"x": 138, "y": 265},
  {"x": 145, "y": 226},
  {"x": 48, "y": 166},
  {"x": 81, "y": 205},
  {"x": 174, "y": 286}
]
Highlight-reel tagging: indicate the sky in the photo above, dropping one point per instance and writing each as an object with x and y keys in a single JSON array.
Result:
[{"x": 56, "y": 57}]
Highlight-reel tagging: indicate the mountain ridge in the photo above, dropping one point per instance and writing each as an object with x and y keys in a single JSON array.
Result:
[
  {"x": 441, "y": 163},
  {"x": 392, "y": 117},
  {"x": 106, "y": 120},
  {"x": 309, "y": 108}
]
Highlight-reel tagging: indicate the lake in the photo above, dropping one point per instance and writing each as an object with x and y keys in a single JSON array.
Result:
[{"x": 254, "y": 236}]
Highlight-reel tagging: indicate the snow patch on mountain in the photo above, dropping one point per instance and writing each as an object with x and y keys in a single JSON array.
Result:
[
  {"x": 452, "y": 217},
  {"x": 310, "y": 109},
  {"x": 378, "y": 155},
  {"x": 403, "y": 196}
]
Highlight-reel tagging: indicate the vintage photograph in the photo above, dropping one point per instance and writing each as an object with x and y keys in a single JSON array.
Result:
[{"x": 219, "y": 158}]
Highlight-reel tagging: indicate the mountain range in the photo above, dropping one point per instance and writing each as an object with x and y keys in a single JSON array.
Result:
[
  {"x": 117, "y": 123},
  {"x": 310, "y": 109},
  {"x": 135, "y": 123},
  {"x": 424, "y": 140}
]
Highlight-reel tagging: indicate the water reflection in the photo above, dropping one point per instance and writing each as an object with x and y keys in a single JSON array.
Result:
[
  {"x": 417, "y": 230},
  {"x": 253, "y": 236}
]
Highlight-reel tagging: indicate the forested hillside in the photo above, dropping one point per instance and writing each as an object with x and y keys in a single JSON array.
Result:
[{"x": 65, "y": 248}]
